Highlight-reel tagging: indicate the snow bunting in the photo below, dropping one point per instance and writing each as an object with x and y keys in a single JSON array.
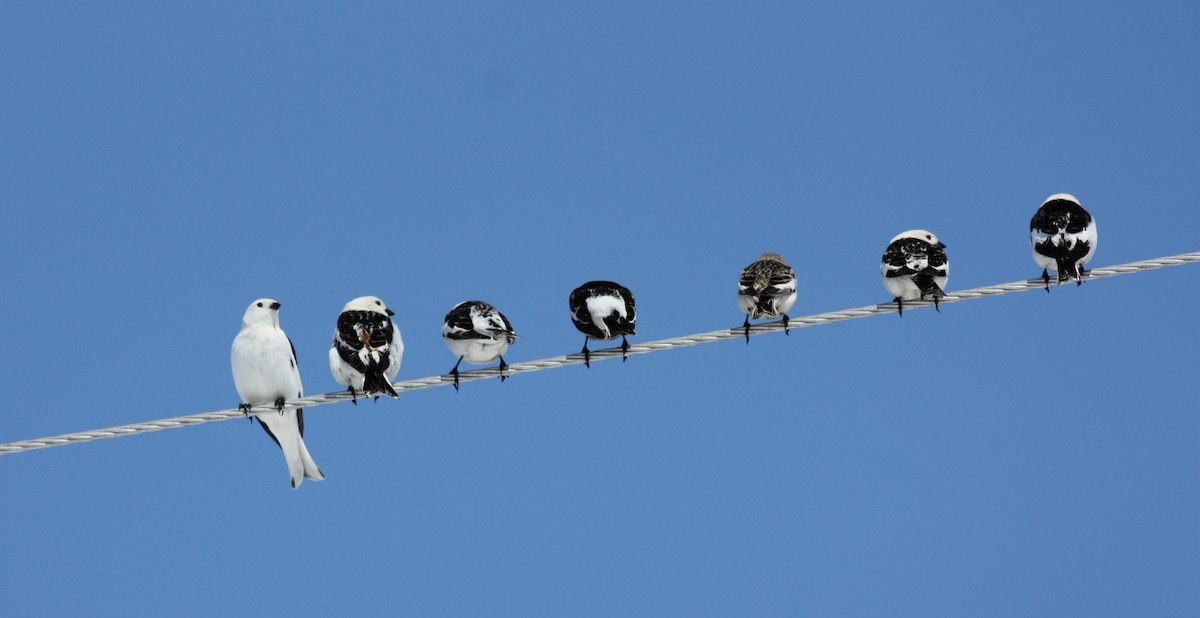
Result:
[
  {"x": 603, "y": 310},
  {"x": 265, "y": 372},
  {"x": 1063, "y": 237},
  {"x": 915, "y": 267},
  {"x": 767, "y": 289},
  {"x": 367, "y": 348},
  {"x": 477, "y": 333}
]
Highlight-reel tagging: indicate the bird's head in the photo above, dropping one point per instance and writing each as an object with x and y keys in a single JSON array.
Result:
[
  {"x": 262, "y": 312},
  {"x": 368, "y": 303},
  {"x": 1066, "y": 197},
  {"x": 924, "y": 235}
]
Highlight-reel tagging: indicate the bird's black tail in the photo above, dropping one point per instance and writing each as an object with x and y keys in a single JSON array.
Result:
[
  {"x": 927, "y": 286},
  {"x": 1067, "y": 268},
  {"x": 374, "y": 383}
]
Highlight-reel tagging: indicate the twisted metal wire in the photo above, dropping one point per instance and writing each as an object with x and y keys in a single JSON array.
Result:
[{"x": 596, "y": 355}]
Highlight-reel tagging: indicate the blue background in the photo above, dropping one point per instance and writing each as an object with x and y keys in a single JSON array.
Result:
[{"x": 163, "y": 164}]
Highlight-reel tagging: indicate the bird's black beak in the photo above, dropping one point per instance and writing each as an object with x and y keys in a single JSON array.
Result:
[
  {"x": 275, "y": 306},
  {"x": 390, "y": 312},
  {"x": 941, "y": 245}
]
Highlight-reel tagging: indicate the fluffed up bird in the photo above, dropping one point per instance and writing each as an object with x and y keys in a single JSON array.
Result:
[
  {"x": 265, "y": 372},
  {"x": 915, "y": 267},
  {"x": 1063, "y": 237},
  {"x": 477, "y": 333},
  {"x": 367, "y": 348},
  {"x": 603, "y": 310},
  {"x": 767, "y": 289}
]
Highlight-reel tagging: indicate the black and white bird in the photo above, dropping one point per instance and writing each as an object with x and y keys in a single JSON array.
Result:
[
  {"x": 1063, "y": 237},
  {"x": 603, "y": 310},
  {"x": 767, "y": 289},
  {"x": 367, "y": 348},
  {"x": 477, "y": 333},
  {"x": 915, "y": 267},
  {"x": 265, "y": 372}
]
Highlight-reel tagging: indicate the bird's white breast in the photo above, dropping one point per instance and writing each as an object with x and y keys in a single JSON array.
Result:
[{"x": 263, "y": 368}]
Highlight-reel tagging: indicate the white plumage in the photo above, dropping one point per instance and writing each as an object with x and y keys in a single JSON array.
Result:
[
  {"x": 603, "y": 310},
  {"x": 367, "y": 348},
  {"x": 1062, "y": 236},
  {"x": 478, "y": 333},
  {"x": 265, "y": 371},
  {"x": 915, "y": 267}
]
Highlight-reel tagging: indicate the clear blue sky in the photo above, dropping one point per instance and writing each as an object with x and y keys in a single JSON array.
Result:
[{"x": 163, "y": 165}]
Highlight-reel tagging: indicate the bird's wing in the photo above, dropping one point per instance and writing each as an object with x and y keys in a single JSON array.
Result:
[{"x": 459, "y": 325}]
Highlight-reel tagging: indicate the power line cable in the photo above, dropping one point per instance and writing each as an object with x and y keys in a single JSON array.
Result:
[{"x": 596, "y": 355}]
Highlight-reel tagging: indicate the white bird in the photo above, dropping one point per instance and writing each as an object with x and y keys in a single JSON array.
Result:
[
  {"x": 1063, "y": 237},
  {"x": 915, "y": 267},
  {"x": 477, "y": 333},
  {"x": 767, "y": 289},
  {"x": 603, "y": 310},
  {"x": 265, "y": 372},
  {"x": 367, "y": 348}
]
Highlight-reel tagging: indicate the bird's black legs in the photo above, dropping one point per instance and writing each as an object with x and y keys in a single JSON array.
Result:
[
  {"x": 624, "y": 349},
  {"x": 503, "y": 366},
  {"x": 1046, "y": 278},
  {"x": 1079, "y": 276},
  {"x": 785, "y": 324},
  {"x": 899, "y": 306},
  {"x": 245, "y": 408},
  {"x": 353, "y": 395},
  {"x": 746, "y": 326},
  {"x": 454, "y": 372},
  {"x": 935, "y": 303},
  {"x": 587, "y": 356},
  {"x": 279, "y": 404}
]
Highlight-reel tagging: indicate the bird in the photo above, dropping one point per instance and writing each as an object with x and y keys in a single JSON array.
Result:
[
  {"x": 477, "y": 333},
  {"x": 767, "y": 289},
  {"x": 603, "y": 310},
  {"x": 1063, "y": 237},
  {"x": 367, "y": 348},
  {"x": 265, "y": 372},
  {"x": 915, "y": 267}
]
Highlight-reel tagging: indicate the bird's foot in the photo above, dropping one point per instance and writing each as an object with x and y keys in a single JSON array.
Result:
[
  {"x": 785, "y": 324},
  {"x": 587, "y": 355},
  {"x": 245, "y": 408},
  {"x": 279, "y": 404},
  {"x": 935, "y": 303},
  {"x": 624, "y": 349},
  {"x": 454, "y": 372},
  {"x": 1046, "y": 278},
  {"x": 503, "y": 366},
  {"x": 899, "y": 306},
  {"x": 746, "y": 327},
  {"x": 353, "y": 395}
]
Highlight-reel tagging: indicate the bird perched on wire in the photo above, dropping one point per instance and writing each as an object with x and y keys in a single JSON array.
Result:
[
  {"x": 767, "y": 289},
  {"x": 1063, "y": 237},
  {"x": 603, "y": 310},
  {"x": 915, "y": 267},
  {"x": 367, "y": 348},
  {"x": 477, "y": 333},
  {"x": 265, "y": 372}
]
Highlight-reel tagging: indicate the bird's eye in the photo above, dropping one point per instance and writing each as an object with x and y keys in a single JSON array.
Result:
[
  {"x": 379, "y": 303},
  {"x": 259, "y": 304},
  {"x": 928, "y": 237}
]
